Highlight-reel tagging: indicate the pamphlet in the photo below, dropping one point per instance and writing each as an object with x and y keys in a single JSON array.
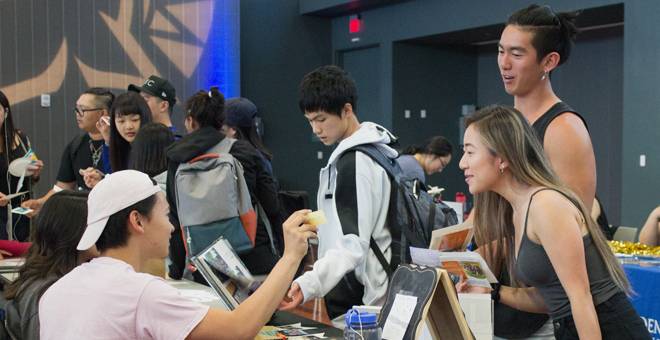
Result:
[
  {"x": 453, "y": 238},
  {"x": 468, "y": 266}
]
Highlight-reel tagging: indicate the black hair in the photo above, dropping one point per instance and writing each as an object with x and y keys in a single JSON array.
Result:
[
  {"x": 57, "y": 230},
  {"x": 10, "y": 135},
  {"x": 127, "y": 103},
  {"x": 115, "y": 233},
  {"x": 102, "y": 96},
  {"x": 437, "y": 145},
  {"x": 251, "y": 135},
  {"x": 553, "y": 32},
  {"x": 207, "y": 108},
  {"x": 148, "y": 149},
  {"x": 327, "y": 88}
]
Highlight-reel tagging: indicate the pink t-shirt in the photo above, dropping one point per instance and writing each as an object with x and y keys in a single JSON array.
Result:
[{"x": 107, "y": 299}]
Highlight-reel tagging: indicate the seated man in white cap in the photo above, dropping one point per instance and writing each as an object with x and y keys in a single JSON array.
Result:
[{"x": 109, "y": 298}]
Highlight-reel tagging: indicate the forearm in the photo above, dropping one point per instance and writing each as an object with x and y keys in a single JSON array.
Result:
[
  {"x": 254, "y": 312},
  {"x": 650, "y": 231},
  {"x": 585, "y": 317},
  {"x": 524, "y": 299},
  {"x": 51, "y": 192}
]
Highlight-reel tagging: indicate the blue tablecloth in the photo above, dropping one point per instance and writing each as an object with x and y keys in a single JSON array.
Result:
[{"x": 645, "y": 282}]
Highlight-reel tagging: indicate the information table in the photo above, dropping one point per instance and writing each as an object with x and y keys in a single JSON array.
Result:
[
  {"x": 645, "y": 281},
  {"x": 205, "y": 295}
]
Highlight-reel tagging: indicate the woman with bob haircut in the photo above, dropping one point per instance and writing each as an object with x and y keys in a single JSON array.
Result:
[
  {"x": 530, "y": 223},
  {"x": 58, "y": 229},
  {"x": 129, "y": 111}
]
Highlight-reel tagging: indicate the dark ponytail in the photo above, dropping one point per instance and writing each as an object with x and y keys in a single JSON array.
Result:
[
  {"x": 207, "y": 108},
  {"x": 553, "y": 32}
]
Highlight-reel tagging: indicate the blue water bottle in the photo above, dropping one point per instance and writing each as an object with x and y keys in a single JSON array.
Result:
[{"x": 361, "y": 326}]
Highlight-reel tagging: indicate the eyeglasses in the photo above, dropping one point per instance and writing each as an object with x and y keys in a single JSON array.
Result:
[
  {"x": 81, "y": 112},
  {"x": 443, "y": 164}
]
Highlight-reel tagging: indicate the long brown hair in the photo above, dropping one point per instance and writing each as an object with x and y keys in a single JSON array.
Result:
[
  {"x": 58, "y": 228},
  {"x": 507, "y": 134}
]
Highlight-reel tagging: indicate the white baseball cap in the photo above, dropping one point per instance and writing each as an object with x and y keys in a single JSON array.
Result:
[{"x": 112, "y": 194}]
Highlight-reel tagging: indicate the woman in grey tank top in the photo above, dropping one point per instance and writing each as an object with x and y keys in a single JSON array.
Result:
[{"x": 528, "y": 221}]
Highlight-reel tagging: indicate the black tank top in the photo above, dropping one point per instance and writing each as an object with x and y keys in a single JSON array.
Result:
[
  {"x": 533, "y": 268},
  {"x": 542, "y": 123}
]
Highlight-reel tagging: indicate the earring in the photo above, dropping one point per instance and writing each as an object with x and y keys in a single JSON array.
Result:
[
  {"x": 501, "y": 170},
  {"x": 545, "y": 75}
]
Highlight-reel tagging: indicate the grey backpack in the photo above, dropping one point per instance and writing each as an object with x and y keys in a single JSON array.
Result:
[{"x": 213, "y": 200}]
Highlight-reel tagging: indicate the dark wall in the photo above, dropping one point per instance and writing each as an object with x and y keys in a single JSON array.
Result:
[
  {"x": 641, "y": 120},
  {"x": 439, "y": 80},
  {"x": 611, "y": 79},
  {"x": 278, "y": 47},
  {"x": 60, "y": 48}
]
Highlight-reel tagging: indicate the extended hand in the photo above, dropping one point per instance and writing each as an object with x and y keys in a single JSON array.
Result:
[
  {"x": 34, "y": 204},
  {"x": 464, "y": 287},
  {"x": 293, "y": 298},
  {"x": 91, "y": 176},
  {"x": 296, "y": 233},
  {"x": 35, "y": 168}
]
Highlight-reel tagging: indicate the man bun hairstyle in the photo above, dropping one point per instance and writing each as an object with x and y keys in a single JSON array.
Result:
[{"x": 553, "y": 32}]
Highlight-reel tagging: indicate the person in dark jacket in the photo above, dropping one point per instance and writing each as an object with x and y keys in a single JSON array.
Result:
[{"x": 204, "y": 119}]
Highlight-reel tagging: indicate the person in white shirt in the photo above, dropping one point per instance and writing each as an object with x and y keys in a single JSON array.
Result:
[
  {"x": 110, "y": 298},
  {"x": 354, "y": 193}
]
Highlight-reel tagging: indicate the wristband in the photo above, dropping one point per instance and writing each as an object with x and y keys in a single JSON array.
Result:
[{"x": 495, "y": 293}]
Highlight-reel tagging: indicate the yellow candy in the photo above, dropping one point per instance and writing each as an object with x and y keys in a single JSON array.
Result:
[
  {"x": 630, "y": 248},
  {"x": 316, "y": 218}
]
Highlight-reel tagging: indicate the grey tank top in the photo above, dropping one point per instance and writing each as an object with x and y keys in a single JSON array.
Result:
[{"x": 533, "y": 267}]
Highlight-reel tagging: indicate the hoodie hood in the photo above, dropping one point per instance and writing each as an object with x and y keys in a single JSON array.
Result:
[
  {"x": 368, "y": 133},
  {"x": 194, "y": 144}
]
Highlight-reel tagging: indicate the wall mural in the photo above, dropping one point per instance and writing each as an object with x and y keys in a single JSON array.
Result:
[
  {"x": 179, "y": 30},
  {"x": 62, "y": 47}
]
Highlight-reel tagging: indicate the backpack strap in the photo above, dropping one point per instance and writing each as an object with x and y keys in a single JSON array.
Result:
[
  {"x": 381, "y": 258},
  {"x": 393, "y": 170},
  {"x": 390, "y": 165},
  {"x": 221, "y": 148},
  {"x": 261, "y": 214},
  {"x": 224, "y": 146}
]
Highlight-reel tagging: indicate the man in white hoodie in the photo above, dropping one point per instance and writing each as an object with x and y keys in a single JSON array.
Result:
[{"x": 354, "y": 193}]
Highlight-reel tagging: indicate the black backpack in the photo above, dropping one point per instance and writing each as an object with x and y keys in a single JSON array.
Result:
[
  {"x": 412, "y": 214},
  {"x": 411, "y": 217}
]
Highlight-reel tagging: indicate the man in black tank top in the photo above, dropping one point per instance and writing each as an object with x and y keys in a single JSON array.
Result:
[{"x": 535, "y": 41}]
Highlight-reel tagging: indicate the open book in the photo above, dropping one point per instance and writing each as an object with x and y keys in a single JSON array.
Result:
[
  {"x": 454, "y": 238},
  {"x": 225, "y": 273},
  {"x": 416, "y": 294},
  {"x": 468, "y": 266}
]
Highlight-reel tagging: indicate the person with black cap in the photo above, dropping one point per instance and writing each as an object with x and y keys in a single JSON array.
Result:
[
  {"x": 160, "y": 95},
  {"x": 241, "y": 122}
]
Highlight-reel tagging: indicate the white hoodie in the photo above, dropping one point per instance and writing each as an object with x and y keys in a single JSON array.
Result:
[{"x": 338, "y": 253}]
